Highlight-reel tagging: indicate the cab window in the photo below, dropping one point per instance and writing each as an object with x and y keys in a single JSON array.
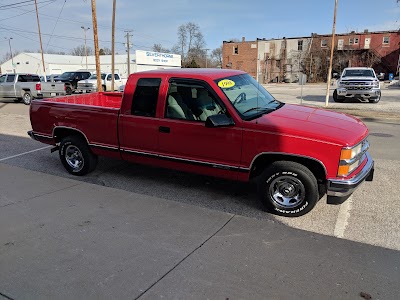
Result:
[
  {"x": 10, "y": 78},
  {"x": 190, "y": 101},
  {"x": 144, "y": 100}
]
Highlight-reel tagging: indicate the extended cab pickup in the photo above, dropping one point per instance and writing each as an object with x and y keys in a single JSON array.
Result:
[
  {"x": 214, "y": 122},
  {"x": 25, "y": 87},
  {"x": 90, "y": 85}
]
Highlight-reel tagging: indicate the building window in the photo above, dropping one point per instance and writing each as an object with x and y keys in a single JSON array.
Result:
[
  {"x": 386, "y": 40},
  {"x": 356, "y": 40},
  {"x": 235, "y": 49},
  {"x": 300, "y": 45},
  {"x": 324, "y": 43},
  {"x": 351, "y": 41}
]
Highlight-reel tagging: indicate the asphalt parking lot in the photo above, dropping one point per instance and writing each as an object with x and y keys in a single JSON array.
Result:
[{"x": 367, "y": 223}]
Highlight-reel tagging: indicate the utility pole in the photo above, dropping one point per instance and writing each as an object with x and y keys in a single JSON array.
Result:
[
  {"x": 331, "y": 59},
  {"x": 96, "y": 46},
  {"x": 206, "y": 56},
  {"x": 40, "y": 40},
  {"x": 113, "y": 47},
  {"x": 12, "y": 59},
  {"x": 128, "y": 46},
  {"x": 85, "y": 29}
]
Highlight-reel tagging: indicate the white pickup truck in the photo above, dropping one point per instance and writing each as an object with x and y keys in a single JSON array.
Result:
[
  {"x": 25, "y": 87},
  {"x": 90, "y": 85},
  {"x": 360, "y": 83}
]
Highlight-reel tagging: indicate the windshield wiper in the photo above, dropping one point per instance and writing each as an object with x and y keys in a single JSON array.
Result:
[{"x": 263, "y": 109}]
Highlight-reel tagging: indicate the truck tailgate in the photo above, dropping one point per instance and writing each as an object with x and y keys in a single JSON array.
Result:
[{"x": 94, "y": 115}]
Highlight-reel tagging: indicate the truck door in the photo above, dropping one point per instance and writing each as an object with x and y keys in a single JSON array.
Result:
[
  {"x": 138, "y": 125},
  {"x": 9, "y": 86},
  {"x": 184, "y": 138}
]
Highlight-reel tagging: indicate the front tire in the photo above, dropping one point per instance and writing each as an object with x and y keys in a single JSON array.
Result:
[
  {"x": 337, "y": 98},
  {"x": 288, "y": 189},
  {"x": 375, "y": 100},
  {"x": 104, "y": 88},
  {"x": 27, "y": 98},
  {"x": 76, "y": 156},
  {"x": 68, "y": 90}
]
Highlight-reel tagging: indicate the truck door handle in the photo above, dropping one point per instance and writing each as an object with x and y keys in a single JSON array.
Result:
[{"x": 164, "y": 129}]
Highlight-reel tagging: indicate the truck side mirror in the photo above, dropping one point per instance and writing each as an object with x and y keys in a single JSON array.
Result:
[{"x": 221, "y": 120}]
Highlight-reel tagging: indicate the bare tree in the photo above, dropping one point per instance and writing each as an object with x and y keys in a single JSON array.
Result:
[
  {"x": 216, "y": 57},
  {"x": 160, "y": 48},
  {"x": 8, "y": 56},
  {"x": 190, "y": 42},
  {"x": 80, "y": 51},
  {"x": 105, "y": 51}
]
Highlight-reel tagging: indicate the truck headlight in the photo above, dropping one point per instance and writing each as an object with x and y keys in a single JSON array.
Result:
[
  {"x": 375, "y": 84},
  {"x": 340, "y": 84},
  {"x": 351, "y": 158}
]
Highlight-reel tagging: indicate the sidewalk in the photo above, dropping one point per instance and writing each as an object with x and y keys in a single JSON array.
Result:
[{"x": 62, "y": 238}]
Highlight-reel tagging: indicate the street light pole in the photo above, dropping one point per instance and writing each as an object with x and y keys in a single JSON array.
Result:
[
  {"x": 85, "y": 29},
  {"x": 12, "y": 59},
  {"x": 206, "y": 56}
]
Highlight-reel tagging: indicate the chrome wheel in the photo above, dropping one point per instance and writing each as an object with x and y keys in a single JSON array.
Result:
[
  {"x": 27, "y": 98},
  {"x": 74, "y": 158},
  {"x": 287, "y": 191}
]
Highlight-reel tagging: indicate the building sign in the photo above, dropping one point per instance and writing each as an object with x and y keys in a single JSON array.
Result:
[{"x": 157, "y": 58}]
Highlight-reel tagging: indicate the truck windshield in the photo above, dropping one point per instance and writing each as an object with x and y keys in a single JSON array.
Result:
[
  {"x": 247, "y": 96},
  {"x": 94, "y": 76},
  {"x": 358, "y": 73}
]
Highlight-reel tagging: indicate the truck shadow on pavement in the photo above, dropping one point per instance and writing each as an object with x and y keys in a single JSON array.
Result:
[
  {"x": 321, "y": 99},
  {"x": 214, "y": 193}
]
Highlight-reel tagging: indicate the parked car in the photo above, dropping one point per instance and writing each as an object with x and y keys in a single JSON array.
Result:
[
  {"x": 213, "y": 122},
  {"x": 90, "y": 85},
  {"x": 360, "y": 83},
  {"x": 25, "y": 87},
  {"x": 71, "y": 79}
]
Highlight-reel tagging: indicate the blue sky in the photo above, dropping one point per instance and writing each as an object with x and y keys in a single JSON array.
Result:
[{"x": 157, "y": 21}]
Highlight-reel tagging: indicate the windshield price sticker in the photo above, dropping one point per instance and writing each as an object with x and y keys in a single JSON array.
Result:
[{"x": 226, "y": 83}]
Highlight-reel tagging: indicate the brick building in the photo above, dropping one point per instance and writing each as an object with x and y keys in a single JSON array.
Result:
[
  {"x": 278, "y": 60},
  {"x": 240, "y": 56}
]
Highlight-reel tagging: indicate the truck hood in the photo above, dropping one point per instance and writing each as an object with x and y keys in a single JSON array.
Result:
[
  {"x": 357, "y": 78},
  {"x": 314, "y": 123}
]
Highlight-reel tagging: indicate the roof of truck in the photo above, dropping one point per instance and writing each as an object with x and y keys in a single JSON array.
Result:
[{"x": 193, "y": 72}]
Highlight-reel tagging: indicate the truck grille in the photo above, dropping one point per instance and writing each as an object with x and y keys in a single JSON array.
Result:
[{"x": 357, "y": 85}]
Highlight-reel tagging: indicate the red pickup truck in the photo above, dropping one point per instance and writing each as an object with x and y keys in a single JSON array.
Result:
[{"x": 214, "y": 122}]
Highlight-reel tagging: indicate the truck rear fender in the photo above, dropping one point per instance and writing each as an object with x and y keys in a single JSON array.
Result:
[
  {"x": 61, "y": 132},
  {"x": 262, "y": 160}
]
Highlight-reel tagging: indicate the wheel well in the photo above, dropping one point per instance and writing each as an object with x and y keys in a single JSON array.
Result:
[
  {"x": 264, "y": 160},
  {"x": 60, "y": 133}
]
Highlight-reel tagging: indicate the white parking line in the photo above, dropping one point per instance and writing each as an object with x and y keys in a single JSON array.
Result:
[
  {"x": 3, "y": 159},
  {"x": 343, "y": 218}
]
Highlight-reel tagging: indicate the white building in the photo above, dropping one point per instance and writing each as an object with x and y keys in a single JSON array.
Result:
[{"x": 57, "y": 64}]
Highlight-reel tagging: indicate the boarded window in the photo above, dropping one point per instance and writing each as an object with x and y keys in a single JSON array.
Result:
[
  {"x": 324, "y": 43},
  {"x": 235, "y": 49}
]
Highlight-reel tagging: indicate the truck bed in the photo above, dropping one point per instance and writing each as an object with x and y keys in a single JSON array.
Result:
[
  {"x": 94, "y": 115},
  {"x": 106, "y": 99}
]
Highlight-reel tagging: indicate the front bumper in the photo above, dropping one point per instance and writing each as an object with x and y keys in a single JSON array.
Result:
[
  {"x": 364, "y": 93},
  {"x": 338, "y": 190},
  {"x": 86, "y": 89}
]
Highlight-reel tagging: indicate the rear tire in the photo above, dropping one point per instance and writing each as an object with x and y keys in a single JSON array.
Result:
[
  {"x": 337, "y": 98},
  {"x": 76, "y": 156},
  {"x": 68, "y": 90},
  {"x": 288, "y": 189},
  {"x": 27, "y": 98}
]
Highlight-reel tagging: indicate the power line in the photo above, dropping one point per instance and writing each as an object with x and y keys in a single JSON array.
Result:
[
  {"x": 54, "y": 28},
  {"x": 20, "y": 4}
]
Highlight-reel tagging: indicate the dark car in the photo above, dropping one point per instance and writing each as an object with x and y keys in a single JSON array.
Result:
[{"x": 71, "y": 79}]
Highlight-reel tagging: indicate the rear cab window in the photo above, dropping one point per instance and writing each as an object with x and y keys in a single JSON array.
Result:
[{"x": 144, "y": 101}]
